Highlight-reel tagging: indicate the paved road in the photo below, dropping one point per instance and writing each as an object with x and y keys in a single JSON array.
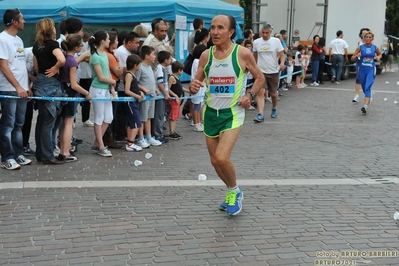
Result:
[{"x": 320, "y": 183}]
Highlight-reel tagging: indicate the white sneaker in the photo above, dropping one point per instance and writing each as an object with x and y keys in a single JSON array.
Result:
[
  {"x": 133, "y": 147},
  {"x": 304, "y": 84},
  {"x": 198, "y": 128},
  {"x": 392, "y": 71},
  {"x": 21, "y": 160},
  {"x": 104, "y": 152},
  {"x": 56, "y": 151},
  {"x": 154, "y": 142},
  {"x": 88, "y": 123},
  {"x": 269, "y": 99},
  {"x": 192, "y": 123},
  {"x": 143, "y": 143},
  {"x": 10, "y": 164},
  {"x": 356, "y": 99},
  {"x": 314, "y": 84}
]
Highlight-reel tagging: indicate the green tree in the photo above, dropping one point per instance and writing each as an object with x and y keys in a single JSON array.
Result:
[
  {"x": 392, "y": 17},
  {"x": 247, "y": 5}
]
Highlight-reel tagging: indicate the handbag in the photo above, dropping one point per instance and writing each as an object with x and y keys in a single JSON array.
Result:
[{"x": 188, "y": 64}]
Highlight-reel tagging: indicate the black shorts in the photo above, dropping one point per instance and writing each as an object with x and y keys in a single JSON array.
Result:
[
  {"x": 70, "y": 108},
  {"x": 132, "y": 114},
  {"x": 296, "y": 69}
]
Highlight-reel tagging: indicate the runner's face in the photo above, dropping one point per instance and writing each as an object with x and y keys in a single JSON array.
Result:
[
  {"x": 220, "y": 31},
  {"x": 20, "y": 23},
  {"x": 368, "y": 38},
  {"x": 266, "y": 34}
]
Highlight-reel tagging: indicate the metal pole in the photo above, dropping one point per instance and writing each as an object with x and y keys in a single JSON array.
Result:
[{"x": 254, "y": 15}]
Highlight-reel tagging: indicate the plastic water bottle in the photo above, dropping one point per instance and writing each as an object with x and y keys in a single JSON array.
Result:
[
  {"x": 148, "y": 155},
  {"x": 137, "y": 163},
  {"x": 396, "y": 216},
  {"x": 201, "y": 177}
]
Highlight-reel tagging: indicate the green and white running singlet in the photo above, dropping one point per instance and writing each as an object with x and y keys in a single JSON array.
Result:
[{"x": 226, "y": 83}]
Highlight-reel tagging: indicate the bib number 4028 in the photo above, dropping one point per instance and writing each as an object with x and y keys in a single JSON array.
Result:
[{"x": 221, "y": 89}]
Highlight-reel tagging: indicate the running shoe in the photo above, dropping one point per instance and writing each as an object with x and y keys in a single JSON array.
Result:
[
  {"x": 223, "y": 206},
  {"x": 132, "y": 147},
  {"x": 154, "y": 142},
  {"x": 142, "y": 143},
  {"x": 95, "y": 149},
  {"x": 10, "y": 164},
  {"x": 88, "y": 123},
  {"x": 67, "y": 158},
  {"x": 364, "y": 109},
  {"x": 356, "y": 98},
  {"x": 104, "y": 152},
  {"x": 21, "y": 160},
  {"x": 234, "y": 205},
  {"x": 28, "y": 151},
  {"x": 274, "y": 113},
  {"x": 259, "y": 118},
  {"x": 163, "y": 140}
]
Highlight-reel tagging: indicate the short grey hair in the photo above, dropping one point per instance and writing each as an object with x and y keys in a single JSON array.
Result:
[{"x": 267, "y": 27}]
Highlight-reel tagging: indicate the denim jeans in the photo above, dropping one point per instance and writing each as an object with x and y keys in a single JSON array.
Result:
[
  {"x": 315, "y": 70},
  {"x": 47, "y": 115},
  {"x": 337, "y": 62},
  {"x": 11, "y": 122}
]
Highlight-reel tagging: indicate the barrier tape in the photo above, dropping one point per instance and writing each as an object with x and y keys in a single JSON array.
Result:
[
  {"x": 107, "y": 99},
  {"x": 328, "y": 63}
]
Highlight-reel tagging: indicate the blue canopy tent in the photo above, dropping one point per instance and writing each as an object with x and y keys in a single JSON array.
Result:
[
  {"x": 143, "y": 10},
  {"x": 35, "y": 10},
  {"x": 124, "y": 14},
  {"x": 136, "y": 11}
]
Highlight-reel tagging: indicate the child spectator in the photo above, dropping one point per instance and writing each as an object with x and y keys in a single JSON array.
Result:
[
  {"x": 100, "y": 88},
  {"x": 133, "y": 63},
  {"x": 290, "y": 69},
  {"x": 147, "y": 84},
  {"x": 176, "y": 91},
  {"x": 161, "y": 74},
  {"x": 305, "y": 63},
  {"x": 240, "y": 42},
  {"x": 198, "y": 98},
  {"x": 298, "y": 66},
  {"x": 72, "y": 45}
]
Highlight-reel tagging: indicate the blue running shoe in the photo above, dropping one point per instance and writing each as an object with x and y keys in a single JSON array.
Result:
[
  {"x": 259, "y": 118},
  {"x": 274, "y": 113},
  {"x": 235, "y": 203},
  {"x": 225, "y": 203}
]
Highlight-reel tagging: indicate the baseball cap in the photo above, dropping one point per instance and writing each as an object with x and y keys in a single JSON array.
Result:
[{"x": 10, "y": 15}]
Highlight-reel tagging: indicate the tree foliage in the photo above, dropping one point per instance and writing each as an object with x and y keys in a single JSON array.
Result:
[
  {"x": 392, "y": 20},
  {"x": 247, "y": 6}
]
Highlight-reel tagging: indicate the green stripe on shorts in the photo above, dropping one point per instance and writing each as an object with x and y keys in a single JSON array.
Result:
[{"x": 218, "y": 121}]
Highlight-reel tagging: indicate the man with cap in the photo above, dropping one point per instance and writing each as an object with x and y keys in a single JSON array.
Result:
[{"x": 13, "y": 82}]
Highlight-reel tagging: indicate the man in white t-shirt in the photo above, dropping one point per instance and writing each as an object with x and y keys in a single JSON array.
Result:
[
  {"x": 13, "y": 82},
  {"x": 269, "y": 55},
  {"x": 338, "y": 55}
]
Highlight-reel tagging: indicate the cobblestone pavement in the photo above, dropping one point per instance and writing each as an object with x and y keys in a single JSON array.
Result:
[{"x": 320, "y": 183}]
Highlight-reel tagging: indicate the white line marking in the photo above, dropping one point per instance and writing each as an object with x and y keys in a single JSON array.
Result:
[{"x": 193, "y": 183}]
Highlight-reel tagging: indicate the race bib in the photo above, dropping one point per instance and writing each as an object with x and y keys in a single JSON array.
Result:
[
  {"x": 368, "y": 62},
  {"x": 222, "y": 86}
]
